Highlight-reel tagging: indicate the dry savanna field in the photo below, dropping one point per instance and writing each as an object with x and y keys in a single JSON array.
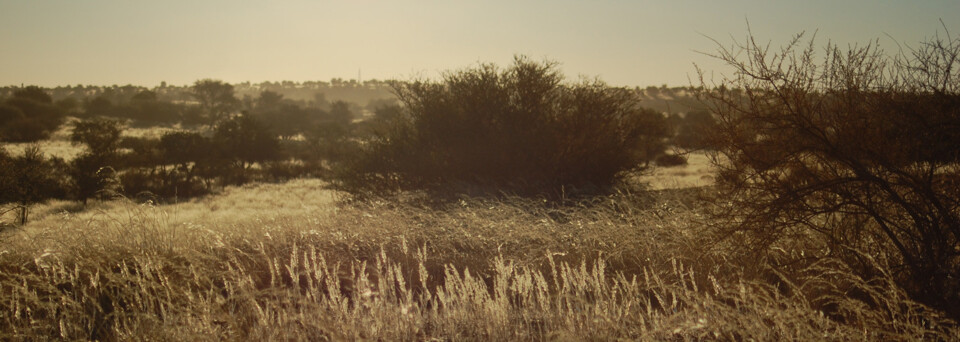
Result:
[
  {"x": 296, "y": 261},
  {"x": 810, "y": 194}
]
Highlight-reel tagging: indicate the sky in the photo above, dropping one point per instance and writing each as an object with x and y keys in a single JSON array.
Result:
[{"x": 625, "y": 43}]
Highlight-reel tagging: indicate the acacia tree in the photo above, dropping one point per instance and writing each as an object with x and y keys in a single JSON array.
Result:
[
  {"x": 216, "y": 98},
  {"x": 856, "y": 147},
  {"x": 101, "y": 136},
  {"x": 245, "y": 141},
  {"x": 183, "y": 148}
]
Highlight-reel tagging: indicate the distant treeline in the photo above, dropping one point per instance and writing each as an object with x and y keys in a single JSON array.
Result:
[
  {"x": 305, "y": 92},
  {"x": 225, "y": 138},
  {"x": 661, "y": 98}
]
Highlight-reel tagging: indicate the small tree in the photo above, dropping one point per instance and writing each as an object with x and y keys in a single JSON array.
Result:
[
  {"x": 857, "y": 148},
  {"x": 245, "y": 141},
  {"x": 216, "y": 98},
  {"x": 340, "y": 112},
  {"x": 520, "y": 130},
  {"x": 269, "y": 101},
  {"x": 102, "y": 138},
  {"x": 694, "y": 130},
  {"x": 183, "y": 148},
  {"x": 91, "y": 172},
  {"x": 28, "y": 179},
  {"x": 99, "y": 106}
]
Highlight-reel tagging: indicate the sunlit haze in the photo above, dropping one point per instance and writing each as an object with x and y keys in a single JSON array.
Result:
[{"x": 50, "y": 43}]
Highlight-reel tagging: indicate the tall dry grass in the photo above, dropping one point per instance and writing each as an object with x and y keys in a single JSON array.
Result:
[{"x": 631, "y": 267}]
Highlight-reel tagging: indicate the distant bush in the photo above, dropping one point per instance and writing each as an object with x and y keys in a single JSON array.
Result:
[
  {"x": 668, "y": 160},
  {"x": 140, "y": 152},
  {"x": 520, "y": 130},
  {"x": 24, "y": 130},
  {"x": 216, "y": 98},
  {"x": 99, "y": 106},
  {"x": 694, "y": 130},
  {"x": 243, "y": 141},
  {"x": 159, "y": 184},
  {"x": 33, "y": 93},
  {"x": 28, "y": 116},
  {"x": 9, "y": 114}
]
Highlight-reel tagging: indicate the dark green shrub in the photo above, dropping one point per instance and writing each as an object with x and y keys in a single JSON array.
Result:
[
  {"x": 520, "y": 130},
  {"x": 9, "y": 114},
  {"x": 101, "y": 136},
  {"x": 694, "y": 130},
  {"x": 33, "y": 93},
  {"x": 280, "y": 171},
  {"x": 243, "y": 141},
  {"x": 99, "y": 106},
  {"x": 93, "y": 171},
  {"x": 158, "y": 184},
  {"x": 29, "y": 116},
  {"x": 140, "y": 152},
  {"x": 216, "y": 99},
  {"x": 184, "y": 148},
  {"x": 24, "y": 130}
]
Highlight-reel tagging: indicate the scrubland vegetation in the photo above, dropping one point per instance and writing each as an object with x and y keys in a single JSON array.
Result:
[
  {"x": 625, "y": 266},
  {"x": 508, "y": 204}
]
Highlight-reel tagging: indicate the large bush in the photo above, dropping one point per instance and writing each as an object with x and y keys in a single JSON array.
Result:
[
  {"x": 243, "y": 141},
  {"x": 857, "y": 148},
  {"x": 521, "y": 130},
  {"x": 28, "y": 116}
]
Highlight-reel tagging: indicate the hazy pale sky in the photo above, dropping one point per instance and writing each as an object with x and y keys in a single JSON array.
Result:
[{"x": 628, "y": 43}]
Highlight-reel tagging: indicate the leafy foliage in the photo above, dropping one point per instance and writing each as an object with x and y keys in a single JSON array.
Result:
[
  {"x": 33, "y": 93},
  {"x": 29, "y": 116},
  {"x": 101, "y": 136},
  {"x": 93, "y": 171},
  {"x": 216, "y": 99},
  {"x": 30, "y": 178},
  {"x": 694, "y": 130},
  {"x": 244, "y": 141},
  {"x": 520, "y": 130}
]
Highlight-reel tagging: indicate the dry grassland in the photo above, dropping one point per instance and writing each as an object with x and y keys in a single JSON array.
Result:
[{"x": 286, "y": 262}]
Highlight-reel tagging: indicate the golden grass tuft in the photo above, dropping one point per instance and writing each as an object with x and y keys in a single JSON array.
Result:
[{"x": 283, "y": 262}]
